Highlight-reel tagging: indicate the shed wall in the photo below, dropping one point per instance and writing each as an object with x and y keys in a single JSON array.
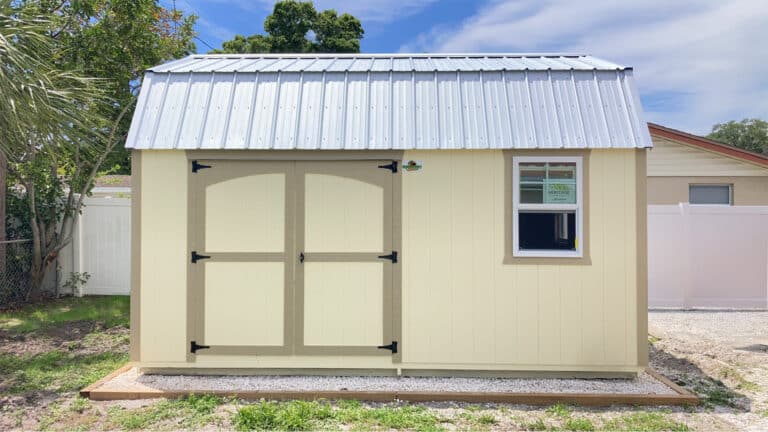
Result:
[{"x": 463, "y": 308}]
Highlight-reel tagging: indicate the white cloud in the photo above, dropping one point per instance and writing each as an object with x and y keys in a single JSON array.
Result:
[
  {"x": 381, "y": 11},
  {"x": 707, "y": 58}
]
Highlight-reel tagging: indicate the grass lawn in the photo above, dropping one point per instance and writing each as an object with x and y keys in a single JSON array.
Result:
[
  {"x": 110, "y": 311},
  {"x": 50, "y": 351}
]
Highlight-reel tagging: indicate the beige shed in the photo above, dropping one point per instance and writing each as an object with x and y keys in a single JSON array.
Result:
[{"x": 389, "y": 214}]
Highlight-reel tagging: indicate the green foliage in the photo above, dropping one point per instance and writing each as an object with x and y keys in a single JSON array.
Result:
[
  {"x": 110, "y": 310},
  {"x": 486, "y": 419},
  {"x": 76, "y": 281},
  {"x": 193, "y": 412},
  {"x": 43, "y": 106},
  {"x": 289, "y": 416},
  {"x": 116, "y": 41},
  {"x": 578, "y": 424},
  {"x": 645, "y": 421},
  {"x": 56, "y": 371},
  {"x": 749, "y": 134},
  {"x": 559, "y": 410},
  {"x": 289, "y": 26},
  {"x": 538, "y": 425},
  {"x": 314, "y": 415}
]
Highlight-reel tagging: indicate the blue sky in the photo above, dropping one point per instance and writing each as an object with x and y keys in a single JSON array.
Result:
[{"x": 697, "y": 62}]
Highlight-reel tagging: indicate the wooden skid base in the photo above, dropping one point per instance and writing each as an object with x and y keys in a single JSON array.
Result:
[{"x": 682, "y": 396}]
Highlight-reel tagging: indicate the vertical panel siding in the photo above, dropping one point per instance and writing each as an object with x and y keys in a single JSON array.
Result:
[
  {"x": 463, "y": 305},
  {"x": 163, "y": 256}
]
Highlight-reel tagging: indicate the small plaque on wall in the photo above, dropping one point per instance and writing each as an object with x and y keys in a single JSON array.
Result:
[{"x": 412, "y": 166}]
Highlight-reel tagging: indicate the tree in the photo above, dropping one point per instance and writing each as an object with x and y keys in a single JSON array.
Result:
[
  {"x": 53, "y": 133},
  {"x": 289, "y": 27},
  {"x": 116, "y": 40},
  {"x": 749, "y": 134}
]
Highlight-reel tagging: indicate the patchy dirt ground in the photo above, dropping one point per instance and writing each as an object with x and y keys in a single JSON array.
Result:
[{"x": 722, "y": 356}]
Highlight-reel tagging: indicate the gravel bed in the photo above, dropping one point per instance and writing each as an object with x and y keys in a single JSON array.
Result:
[
  {"x": 729, "y": 328},
  {"x": 644, "y": 384}
]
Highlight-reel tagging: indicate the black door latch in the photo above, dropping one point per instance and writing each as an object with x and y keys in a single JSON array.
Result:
[
  {"x": 392, "y": 257},
  {"x": 392, "y": 347},
  {"x": 301, "y": 257},
  {"x": 194, "y": 346}
]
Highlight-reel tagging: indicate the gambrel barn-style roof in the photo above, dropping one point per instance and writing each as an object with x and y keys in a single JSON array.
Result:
[{"x": 364, "y": 101}]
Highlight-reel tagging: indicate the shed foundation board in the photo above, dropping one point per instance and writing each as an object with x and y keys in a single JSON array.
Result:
[{"x": 648, "y": 389}]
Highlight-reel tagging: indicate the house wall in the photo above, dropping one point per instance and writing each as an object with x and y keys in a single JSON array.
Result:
[
  {"x": 463, "y": 308},
  {"x": 749, "y": 191},
  {"x": 673, "y": 166}
]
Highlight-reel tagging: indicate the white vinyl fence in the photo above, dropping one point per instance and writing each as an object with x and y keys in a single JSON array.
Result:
[
  {"x": 708, "y": 256},
  {"x": 101, "y": 247}
]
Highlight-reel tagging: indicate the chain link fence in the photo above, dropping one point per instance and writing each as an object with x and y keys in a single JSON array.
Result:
[{"x": 15, "y": 264}]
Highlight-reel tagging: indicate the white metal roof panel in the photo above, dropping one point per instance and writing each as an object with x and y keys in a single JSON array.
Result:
[{"x": 388, "y": 102}]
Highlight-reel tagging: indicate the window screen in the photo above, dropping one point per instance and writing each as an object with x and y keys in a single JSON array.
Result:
[{"x": 709, "y": 194}]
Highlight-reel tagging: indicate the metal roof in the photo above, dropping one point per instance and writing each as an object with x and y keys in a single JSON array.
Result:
[{"x": 388, "y": 101}]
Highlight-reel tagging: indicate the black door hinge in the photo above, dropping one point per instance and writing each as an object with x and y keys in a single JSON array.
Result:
[
  {"x": 392, "y": 257},
  {"x": 301, "y": 257},
  {"x": 197, "y": 166},
  {"x": 197, "y": 257},
  {"x": 193, "y": 347},
  {"x": 392, "y": 166},
  {"x": 392, "y": 347}
]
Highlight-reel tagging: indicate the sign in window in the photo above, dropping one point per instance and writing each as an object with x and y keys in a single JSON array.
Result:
[{"x": 547, "y": 206}]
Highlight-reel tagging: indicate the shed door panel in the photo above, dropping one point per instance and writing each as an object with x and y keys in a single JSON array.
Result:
[
  {"x": 241, "y": 292},
  {"x": 344, "y": 288},
  {"x": 244, "y": 303},
  {"x": 246, "y": 214},
  {"x": 343, "y": 304},
  {"x": 343, "y": 215}
]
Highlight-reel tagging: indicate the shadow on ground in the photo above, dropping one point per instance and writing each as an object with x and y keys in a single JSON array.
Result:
[{"x": 711, "y": 390}]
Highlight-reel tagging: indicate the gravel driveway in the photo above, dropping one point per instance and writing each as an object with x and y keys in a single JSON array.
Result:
[{"x": 720, "y": 355}]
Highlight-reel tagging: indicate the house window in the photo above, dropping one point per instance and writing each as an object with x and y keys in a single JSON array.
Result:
[
  {"x": 710, "y": 194},
  {"x": 547, "y": 206}
]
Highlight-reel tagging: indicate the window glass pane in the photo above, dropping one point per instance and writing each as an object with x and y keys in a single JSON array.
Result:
[
  {"x": 709, "y": 194},
  {"x": 548, "y": 183},
  {"x": 547, "y": 230}
]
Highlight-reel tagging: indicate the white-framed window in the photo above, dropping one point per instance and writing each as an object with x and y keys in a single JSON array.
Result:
[
  {"x": 547, "y": 206},
  {"x": 717, "y": 194}
]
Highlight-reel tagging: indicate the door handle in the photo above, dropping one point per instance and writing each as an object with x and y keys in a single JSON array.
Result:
[{"x": 301, "y": 257}]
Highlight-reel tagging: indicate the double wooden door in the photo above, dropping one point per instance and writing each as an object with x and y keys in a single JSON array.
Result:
[{"x": 292, "y": 257}]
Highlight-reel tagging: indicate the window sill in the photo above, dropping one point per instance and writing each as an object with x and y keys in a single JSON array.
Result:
[{"x": 547, "y": 260}]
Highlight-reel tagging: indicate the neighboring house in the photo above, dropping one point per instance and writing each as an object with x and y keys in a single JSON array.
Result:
[
  {"x": 708, "y": 223},
  {"x": 389, "y": 214},
  {"x": 685, "y": 168}
]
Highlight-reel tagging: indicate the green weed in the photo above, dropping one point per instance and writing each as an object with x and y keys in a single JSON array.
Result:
[
  {"x": 645, "y": 421},
  {"x": 303, "y": 415},
  {"x": 486, "y": 419},
  {"x": 193, "y": 412},
  {"x": 538, "y": 425},
  {"x": 559, "y": 410},
  {"x": 578, "y": 424},
  {"x": 289, "y": 416}
]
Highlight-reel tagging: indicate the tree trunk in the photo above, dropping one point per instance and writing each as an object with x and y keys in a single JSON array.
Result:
[{"x": 3, "y": 203}]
